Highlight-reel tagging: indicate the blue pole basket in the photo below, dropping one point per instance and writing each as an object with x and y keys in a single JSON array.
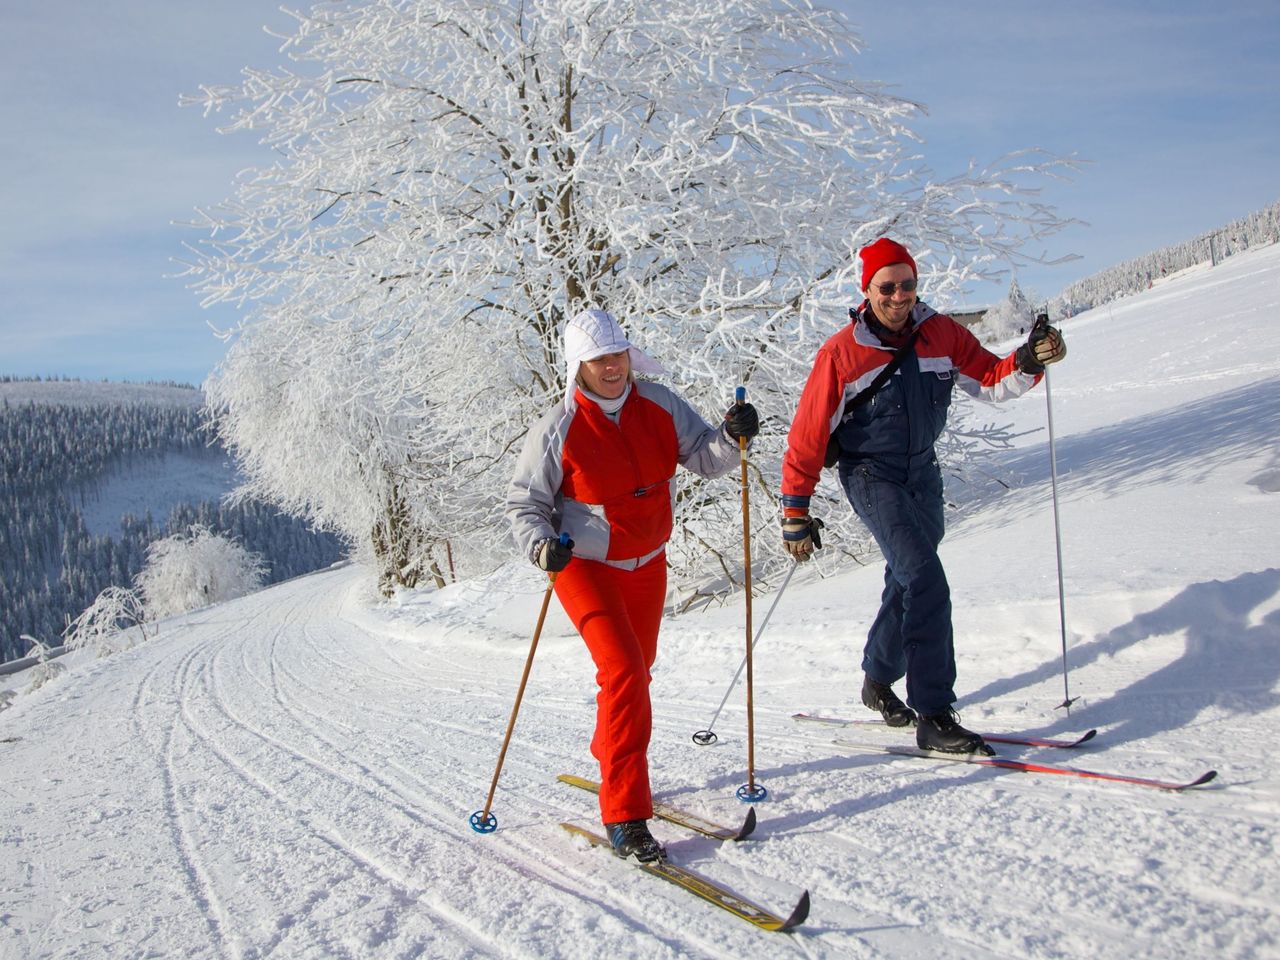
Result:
[{"x": 752, "y": 794}]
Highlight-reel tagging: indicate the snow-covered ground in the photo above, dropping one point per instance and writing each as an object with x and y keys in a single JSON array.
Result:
[{"x": 290, "y": 775}]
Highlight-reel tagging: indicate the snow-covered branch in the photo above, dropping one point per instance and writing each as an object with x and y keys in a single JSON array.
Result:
[{"x": 451, "y": 179}]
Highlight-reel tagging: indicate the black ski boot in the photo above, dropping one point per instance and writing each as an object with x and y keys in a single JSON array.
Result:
[
  {"x": 631, "y": 838},
  {"x": 942, "y": 732},
  {"x": 880, "y": 697}
]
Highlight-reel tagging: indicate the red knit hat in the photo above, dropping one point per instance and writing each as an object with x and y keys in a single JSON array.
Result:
[{"x": 880, "y": 254}]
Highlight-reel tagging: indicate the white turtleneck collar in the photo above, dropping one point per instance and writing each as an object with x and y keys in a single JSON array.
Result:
[{"x": 610, "y": 407}]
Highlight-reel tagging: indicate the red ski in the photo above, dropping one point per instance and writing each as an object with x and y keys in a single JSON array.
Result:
[
  {"x": 1013, "y": 738},
  {"x": 1024, "y": 767}
]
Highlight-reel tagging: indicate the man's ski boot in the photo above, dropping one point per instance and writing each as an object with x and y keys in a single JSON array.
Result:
[
  {"x": 631, "y": 838},
  {"x": 880, "y": 697},
  {"x": 942, "y": 732}
]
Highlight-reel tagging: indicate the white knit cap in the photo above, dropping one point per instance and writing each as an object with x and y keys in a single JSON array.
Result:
[{"x": 594, "y": 333}]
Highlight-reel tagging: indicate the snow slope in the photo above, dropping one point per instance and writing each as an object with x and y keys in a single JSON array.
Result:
[{"x": 290, "y": 775}]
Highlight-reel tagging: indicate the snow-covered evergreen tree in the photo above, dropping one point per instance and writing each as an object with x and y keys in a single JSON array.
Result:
[
  {"x": 193, "y": 570},
  {"x": 450, "y": 179},
  {"x": 1010, "y": 318}
]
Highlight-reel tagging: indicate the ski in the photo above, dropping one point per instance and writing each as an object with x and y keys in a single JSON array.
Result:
[
  {"x": 683, "y": 818},
  {"x": 708, "y": 890},
  {"x": 1012, "y": 738},
  {"x": 1024, "y": 767}
]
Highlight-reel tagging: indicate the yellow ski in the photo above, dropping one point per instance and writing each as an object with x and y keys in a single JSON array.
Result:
[{"x": 708, "y": 890}]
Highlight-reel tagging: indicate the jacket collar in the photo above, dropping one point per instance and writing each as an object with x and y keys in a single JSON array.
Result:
[{"x": 866, "y": 328}]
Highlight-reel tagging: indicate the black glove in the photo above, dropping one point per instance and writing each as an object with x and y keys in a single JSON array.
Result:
[
  {"x": 552, "y": 555},
  {"x": 1044, "y": 346},
  {"x": 741, "y": 421},
  {"x": 801, "y": 536}
]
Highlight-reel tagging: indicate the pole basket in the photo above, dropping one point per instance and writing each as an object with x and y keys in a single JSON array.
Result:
[
  {"x": 482, "y": 822},
  {"x": 752, "y": 793},
  {"x": 704, "y": 738}
]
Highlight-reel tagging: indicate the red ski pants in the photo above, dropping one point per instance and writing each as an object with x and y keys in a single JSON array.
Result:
[{"x": 618, "y": 613}]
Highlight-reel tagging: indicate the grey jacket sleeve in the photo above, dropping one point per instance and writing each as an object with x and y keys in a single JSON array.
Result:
[
  {"x": 704, "y": 449},
  {"x": 535, "y": 504}
]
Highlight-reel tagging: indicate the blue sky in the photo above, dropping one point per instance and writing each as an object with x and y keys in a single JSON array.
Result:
[{"x": 1175, "y": 105}]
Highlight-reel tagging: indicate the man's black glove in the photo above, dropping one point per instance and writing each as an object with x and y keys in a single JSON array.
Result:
[
  {"x": 1044, "y": 346},
  {"x": 552, "y": 555},
  {"x": 801, "y": 536},
  {"x": 741, "y": 421}
]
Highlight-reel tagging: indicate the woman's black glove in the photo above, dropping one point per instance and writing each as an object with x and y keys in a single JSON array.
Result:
[
  {"x": 552, "y": 555},
  {"x": 741, "y": 421}
]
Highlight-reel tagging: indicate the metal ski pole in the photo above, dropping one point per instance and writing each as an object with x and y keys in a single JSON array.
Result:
[
  {"x": 1042, "y": 321},
  {"x": 482, "y": 821},
  {"x": 708, "y": 736},
  {"x": 750, "y": 792}
]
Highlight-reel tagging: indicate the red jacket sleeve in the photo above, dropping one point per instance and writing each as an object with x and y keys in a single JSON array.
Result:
[{"x": 820, "y": 403}]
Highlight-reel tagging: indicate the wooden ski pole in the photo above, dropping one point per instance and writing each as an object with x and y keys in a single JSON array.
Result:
[
  {"x": 750, "y": 792},
  {"x": 482, "y": 821}
]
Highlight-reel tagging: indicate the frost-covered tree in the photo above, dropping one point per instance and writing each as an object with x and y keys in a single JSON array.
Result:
[
  {"x": 115, "y": 621},
  {"x": 46, "y": 667},
  {"x": 449, "y": 180},
  {"x": 193, "y": 570},
  {"x": 1010, "y": 318}
]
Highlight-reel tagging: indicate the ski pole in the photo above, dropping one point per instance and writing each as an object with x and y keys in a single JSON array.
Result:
[
  {"x": 1042, "y": 321},
  {"x": 482, "y": 821},
  {"x": 750, "y": 792},
  {"x": 708, "y": 736}
]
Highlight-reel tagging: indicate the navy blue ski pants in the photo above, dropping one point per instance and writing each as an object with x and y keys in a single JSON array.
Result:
[{"x": 900, "y": 501}]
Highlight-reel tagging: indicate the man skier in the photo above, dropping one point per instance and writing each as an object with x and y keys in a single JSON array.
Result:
[{"x": 885, "y": 448}]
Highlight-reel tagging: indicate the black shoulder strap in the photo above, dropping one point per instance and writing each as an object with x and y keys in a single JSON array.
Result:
[{"x": 864, "y": 395}]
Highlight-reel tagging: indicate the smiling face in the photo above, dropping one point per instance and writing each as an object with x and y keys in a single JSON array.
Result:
[
  {"x": 893, "y": 309},
  {"x": 606, "y": 376}
]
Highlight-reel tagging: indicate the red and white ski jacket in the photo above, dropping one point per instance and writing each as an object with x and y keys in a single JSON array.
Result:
[
  {"x": 611, "y": 486},
  {"x": 907, "y": 414}
]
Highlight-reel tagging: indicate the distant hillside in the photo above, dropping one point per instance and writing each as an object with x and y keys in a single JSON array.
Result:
[
  {"x": 88, "y": 393},
  {"x": 1142, "y": 273},
  {"x": 91, "y": 474}
]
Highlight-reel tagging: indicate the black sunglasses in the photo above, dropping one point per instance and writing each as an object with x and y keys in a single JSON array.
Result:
[{"x": 906, "y": 286}]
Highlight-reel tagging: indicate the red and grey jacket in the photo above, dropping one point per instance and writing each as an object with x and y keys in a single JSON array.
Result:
[
  {"x": 611, "y": 485},
  {"x": 907, "y": 415}
]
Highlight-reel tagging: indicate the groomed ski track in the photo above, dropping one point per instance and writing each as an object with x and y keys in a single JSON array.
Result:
[
  {"x": 291, "y": 775},
  {"x": 280, "y": 777}
]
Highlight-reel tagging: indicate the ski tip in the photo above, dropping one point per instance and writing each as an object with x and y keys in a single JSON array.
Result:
[
  {"x": 1202, "y": 780},
  {"x": 1087, "y": 737},
  {"x": 748, "y": 825},
  {"x": 799, "y": 914}
]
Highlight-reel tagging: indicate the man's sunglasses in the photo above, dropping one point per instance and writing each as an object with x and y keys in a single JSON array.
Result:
[{"x": 906, "y": 286}]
